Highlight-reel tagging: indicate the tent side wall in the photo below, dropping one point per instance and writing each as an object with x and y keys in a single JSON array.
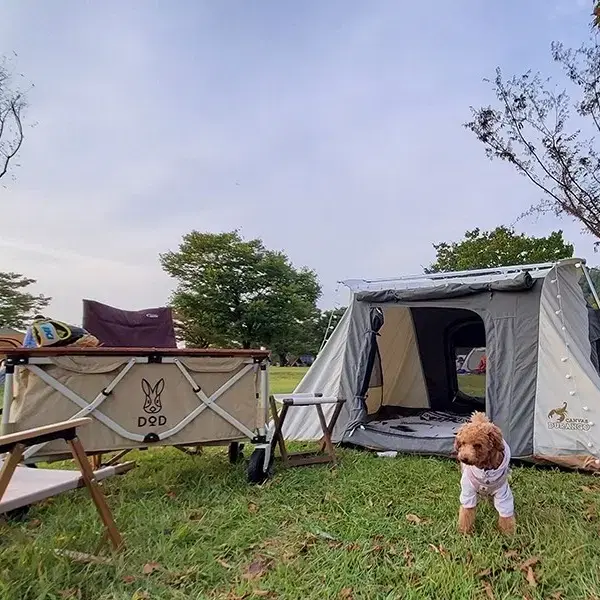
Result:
[
  {"x": 568, "y": 385},
  {"x": 332, "y": 374}
]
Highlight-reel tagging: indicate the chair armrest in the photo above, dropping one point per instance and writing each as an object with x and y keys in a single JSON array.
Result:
[{"x": 30, "y": 437}]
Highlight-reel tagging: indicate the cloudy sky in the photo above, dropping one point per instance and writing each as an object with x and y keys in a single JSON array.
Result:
[{"x": 329, "y": 128}]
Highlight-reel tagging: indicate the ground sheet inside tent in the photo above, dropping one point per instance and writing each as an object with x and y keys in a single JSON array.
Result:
[{"x": 420, "y": 423}]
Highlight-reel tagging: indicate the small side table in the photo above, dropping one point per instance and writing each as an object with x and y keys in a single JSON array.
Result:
[{"x": 326, "y": 452}]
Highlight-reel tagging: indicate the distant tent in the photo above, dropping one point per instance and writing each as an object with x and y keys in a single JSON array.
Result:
[
  {"x": 473, "y": 359},
  {"x": 117, "y": 328}
]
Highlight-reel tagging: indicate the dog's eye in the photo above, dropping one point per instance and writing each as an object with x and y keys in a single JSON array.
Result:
[{"x": 477, "y": 446}]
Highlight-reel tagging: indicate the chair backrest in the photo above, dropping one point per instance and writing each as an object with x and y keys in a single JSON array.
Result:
[{"x": 117, "y": 328}]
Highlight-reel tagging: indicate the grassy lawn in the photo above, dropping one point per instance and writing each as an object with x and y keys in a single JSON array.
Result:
[
  {"x": 472, "y": 385},
  {"x": 370, "y": 528},
  {"x": 285, "y": 379}
]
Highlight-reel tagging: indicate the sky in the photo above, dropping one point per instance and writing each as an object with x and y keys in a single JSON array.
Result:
[{"x": 331, "y": 129}]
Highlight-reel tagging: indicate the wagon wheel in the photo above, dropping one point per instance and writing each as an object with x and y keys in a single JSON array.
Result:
[
  {"x": 235, "y": 452},
  {"x": 256, "y": 468}
]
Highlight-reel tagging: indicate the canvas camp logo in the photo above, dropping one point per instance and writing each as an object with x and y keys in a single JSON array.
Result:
[
  {"x": 152, "y": 404},
  {"x": 558, "y": 418}
]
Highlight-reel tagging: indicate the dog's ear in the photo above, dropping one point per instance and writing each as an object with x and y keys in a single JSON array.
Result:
[{"x": 496, "y": 447}]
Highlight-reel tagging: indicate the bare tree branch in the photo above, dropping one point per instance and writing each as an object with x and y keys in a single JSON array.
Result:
[
  {"x": 12, "y": 107},
  {"x": 538, "y": 130}
]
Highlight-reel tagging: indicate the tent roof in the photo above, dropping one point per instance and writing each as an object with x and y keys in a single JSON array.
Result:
[{"x": 435, "y": 280}]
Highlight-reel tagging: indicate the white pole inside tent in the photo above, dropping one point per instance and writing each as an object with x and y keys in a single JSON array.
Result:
[{"x": 591, "y": 284}]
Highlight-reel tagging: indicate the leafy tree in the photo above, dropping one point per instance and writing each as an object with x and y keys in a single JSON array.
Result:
[
  {"x": 18, "y": 306},
  {"x": 538, "y": 129},
  {"x": 324, "y": 325},
  {"x": 12, "y": 107},
  {"x": 500, "y": 247},
  {"x": 235, "y": 292},
  {"x": 587, "y": 292}
]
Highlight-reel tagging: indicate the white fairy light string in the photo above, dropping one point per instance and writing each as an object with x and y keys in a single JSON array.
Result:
[
  {"x": 567, "y": 358},
  {"x": 330, "y": 325}
]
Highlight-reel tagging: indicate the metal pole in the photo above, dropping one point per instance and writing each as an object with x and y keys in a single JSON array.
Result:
[
  {"x": 451, "y": 274},
  {"x": 264, "y": 395},
  {"x": 8, "y": 396},
  {"x": 591, "y": 284}
]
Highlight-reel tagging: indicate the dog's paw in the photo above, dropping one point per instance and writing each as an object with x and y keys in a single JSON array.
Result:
[{"x": 507, "y": 525}]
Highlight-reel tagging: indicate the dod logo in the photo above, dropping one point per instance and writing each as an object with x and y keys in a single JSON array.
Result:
[
  {"x": 152, "y": 404},
  {"x": 558, "y": 418}
]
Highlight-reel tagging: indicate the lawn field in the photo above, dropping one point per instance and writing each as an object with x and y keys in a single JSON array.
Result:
[
  {"x": 371, "y": 528},
  {"x": 284, "y": 379}
]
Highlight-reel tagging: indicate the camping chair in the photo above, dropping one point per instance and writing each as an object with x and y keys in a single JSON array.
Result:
[
  {"x": 21, "y": 485},
  {"x": 317, "y": 400}
]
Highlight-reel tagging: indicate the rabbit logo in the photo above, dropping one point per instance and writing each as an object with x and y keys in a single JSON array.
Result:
[{"x": 152, "y": 404}]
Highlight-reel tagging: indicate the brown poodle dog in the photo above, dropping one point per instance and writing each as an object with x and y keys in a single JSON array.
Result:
[{"x": 484, "y": 459}]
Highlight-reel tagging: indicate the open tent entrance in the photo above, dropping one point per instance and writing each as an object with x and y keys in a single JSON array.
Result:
[{"x": 417, "y": 386}]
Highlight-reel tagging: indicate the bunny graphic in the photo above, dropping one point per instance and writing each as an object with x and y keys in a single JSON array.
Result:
[{"x": 152, "y": 403}]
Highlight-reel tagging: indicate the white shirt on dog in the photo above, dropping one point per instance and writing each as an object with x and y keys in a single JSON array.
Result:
[{"x": 493, "y": 482}]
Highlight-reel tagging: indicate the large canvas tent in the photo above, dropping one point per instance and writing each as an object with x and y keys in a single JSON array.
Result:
[{"x": 392, "y": 358}]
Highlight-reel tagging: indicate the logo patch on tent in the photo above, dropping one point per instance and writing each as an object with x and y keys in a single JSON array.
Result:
[
  {"x": 558, "y": 418},
  {"x": 152, "y": 404}
]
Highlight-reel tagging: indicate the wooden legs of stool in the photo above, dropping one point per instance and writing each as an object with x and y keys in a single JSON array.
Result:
[
  {"x": 305, "y": 458},
  {"x": 278, "y": 420}
]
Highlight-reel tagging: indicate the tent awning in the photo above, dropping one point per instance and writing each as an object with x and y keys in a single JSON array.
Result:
[{"x": 517, "y": 283}]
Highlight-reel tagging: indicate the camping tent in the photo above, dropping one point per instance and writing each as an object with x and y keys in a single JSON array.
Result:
[
  {"x": 392, "y": 358},
  {"x": 473, "y": 359}
]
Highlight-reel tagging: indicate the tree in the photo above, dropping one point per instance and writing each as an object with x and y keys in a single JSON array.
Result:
[
  {"x": 587, "y": 292},
  {"x": 12, "y": 107},
  {"x": 538, "y": 130},
  {"x": 235, "y": 292},
  {"x": 500, "y": 247},
  {"x": 326, "y": 321},
  {"x": 17, "y": 306}
]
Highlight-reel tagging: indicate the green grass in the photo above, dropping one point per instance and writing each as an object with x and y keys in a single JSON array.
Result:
[
  {"x": 284, "y": 379},
  {"x": 309, "y": 533},
  {"x": 472, "y": 385}
]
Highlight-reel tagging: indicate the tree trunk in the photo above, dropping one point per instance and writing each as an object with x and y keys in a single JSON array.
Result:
[{"x": 282, "y": 359}]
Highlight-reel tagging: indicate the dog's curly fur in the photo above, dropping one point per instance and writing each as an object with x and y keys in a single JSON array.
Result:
[{"x": 479, "y": 443}]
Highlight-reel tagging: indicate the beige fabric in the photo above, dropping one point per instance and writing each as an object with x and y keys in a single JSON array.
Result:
[
  {"x": 36, "y": 403},
  {"x": 33, "y": 485},
  {"x": 403, "y": 380}
]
